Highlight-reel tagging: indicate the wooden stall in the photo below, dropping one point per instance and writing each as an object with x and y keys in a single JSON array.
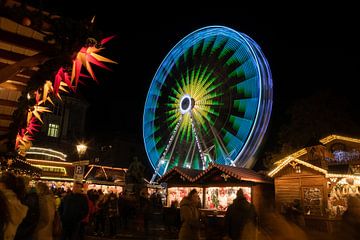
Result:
[
  {"x": 322, "y": 177},
  {"x": 217, "y": 187}
]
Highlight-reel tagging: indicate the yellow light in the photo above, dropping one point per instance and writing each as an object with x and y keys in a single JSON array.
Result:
[
  {"x": 296, "y": 154},
  {"x": 81, "y": 148},
  {"x": 48, "y": 161},
  {"x": 107, "y": 167},
  {"x": 63, "y": 170},
  {"x": 288, "y": 160},
  {"x": 334, "y": 137},
  {"x": 57, "y": 178}
]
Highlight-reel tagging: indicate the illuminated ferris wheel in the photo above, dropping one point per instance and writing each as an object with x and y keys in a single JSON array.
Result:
[{"x": 209, "y": 102}]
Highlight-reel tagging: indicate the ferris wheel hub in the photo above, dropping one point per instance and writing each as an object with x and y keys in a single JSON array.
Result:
[{"x": 186, "y": 103}]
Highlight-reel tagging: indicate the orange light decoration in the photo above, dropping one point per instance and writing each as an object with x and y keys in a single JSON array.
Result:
[
  {"x": 88, "y": 55},
  {"x": 85, "y": 57}
]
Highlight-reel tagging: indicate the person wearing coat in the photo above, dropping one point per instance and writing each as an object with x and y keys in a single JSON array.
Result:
[
  {"x": 5, "y": 215},
  {"x": 17, "y": 211},
  {"x": 47, "y": 206},
  {"x": 240, "y": 218},
  {"x": 190, "y": 217}
]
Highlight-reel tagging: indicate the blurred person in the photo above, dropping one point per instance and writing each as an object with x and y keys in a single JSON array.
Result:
[
  {"x": 5, "y": 214},
  {"x": 349, "y": 227},
  {"x": 72, "y": 210},
  {"x": 297, "y": 213},
  {"x": 30, "y": 198},
  {"x": 124, "y": 210},
  {"x": 190, "y": 217},
  {"x": 275, "y": 225},
  {"x": 240, "y": 214},
  {"x": 100, "y": 213},
  {"x": 172, "y": 217},
  {"x": 145, "y": 207},
  {"x": 13, "y": 190},
  {"x": 112, "y": 213},
  {"x": 47, "y": 205}
]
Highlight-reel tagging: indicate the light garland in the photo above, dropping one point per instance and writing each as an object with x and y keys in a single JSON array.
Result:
[
  {"x": 48, "y": 161},
  {"x": 334, "y": 137},
  {"x": 63, "y": 170}
]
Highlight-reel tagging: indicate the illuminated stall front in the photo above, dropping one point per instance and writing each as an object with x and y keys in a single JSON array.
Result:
[
  {"x": 108, "y": 179},
  {"x": 217, "y": 186},
  {"x": 179, "y": 182},
  {"x": 59, "y": 173},
  {"x": 322, "y": 177}
]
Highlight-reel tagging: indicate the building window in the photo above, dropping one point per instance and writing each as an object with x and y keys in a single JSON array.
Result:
[{"x": 53, "y": 130}]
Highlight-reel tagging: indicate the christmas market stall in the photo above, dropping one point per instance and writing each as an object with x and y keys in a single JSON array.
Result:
[
  {"x": 107, "y": 178},
  {"x": 179, "y": 182},
  {"x": 321, "y": 177},
  {"x": 217, "y": 185},
  {"x": 18, "y": 165}
]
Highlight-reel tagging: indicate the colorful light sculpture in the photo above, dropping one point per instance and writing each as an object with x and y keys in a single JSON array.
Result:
[
  {"x": 209, "y": 102},
  {"x": 85, "y": 57}
]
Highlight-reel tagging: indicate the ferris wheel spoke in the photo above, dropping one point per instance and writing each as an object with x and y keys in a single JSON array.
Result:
[
  {"x": 189, "y": 155},
  {"x": 197, "y": 141},
  {"x": 221, "y": 144},
  {"x": 162, "y": 159}
]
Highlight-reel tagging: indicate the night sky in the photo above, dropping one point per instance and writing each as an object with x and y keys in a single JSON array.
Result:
[{"x": 309, "y": 50}]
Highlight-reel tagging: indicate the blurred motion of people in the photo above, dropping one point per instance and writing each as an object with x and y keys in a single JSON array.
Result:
[
  {"x": 240, "y": 219},
  {"x": 349, "y": 227},
  {"x": 13, "y": 191},
  {"x": 190, "y": 217}
]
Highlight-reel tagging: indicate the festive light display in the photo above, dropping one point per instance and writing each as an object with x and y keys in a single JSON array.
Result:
[
  {"x": 85, "y": 57},
  {"x": 209, "y": 102}
]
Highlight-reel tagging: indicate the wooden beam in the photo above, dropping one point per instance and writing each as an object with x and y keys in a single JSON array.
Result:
[
  {"x": 12, "y": 56},
  {"x": 22, "y": 41},
  {"x": 12, "y": 86},
  {"x": 10, "y": 71},
  {"x": 8, "y": 103},
  {"x": 4, "y": 129},
  {"x": 5, "y": 117},
  {"x": 20, "y": 79}
]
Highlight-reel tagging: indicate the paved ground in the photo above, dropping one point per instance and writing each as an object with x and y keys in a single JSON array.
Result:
[{"x": 157, "y": 231}]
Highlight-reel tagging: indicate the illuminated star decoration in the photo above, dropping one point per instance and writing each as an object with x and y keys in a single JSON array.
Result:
[
  {"x": 62, "y": 79},
  {"x": 87, "y": 55}
]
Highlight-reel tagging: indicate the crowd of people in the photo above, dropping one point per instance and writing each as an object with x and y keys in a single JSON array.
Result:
[{"x": 41, "y": 212}]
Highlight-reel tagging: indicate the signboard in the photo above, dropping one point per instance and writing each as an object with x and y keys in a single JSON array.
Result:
[
  {"x": 79, "y": 170},
  {"x": 79, "y": 173}
]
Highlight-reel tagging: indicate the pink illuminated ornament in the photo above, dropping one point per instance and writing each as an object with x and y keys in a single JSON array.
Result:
[
  {"x": 88, "y": 55},
  {"x": 62, "y": 78},
  {"x": 32, "y": 126}
]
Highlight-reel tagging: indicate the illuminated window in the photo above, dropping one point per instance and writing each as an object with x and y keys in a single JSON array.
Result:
[
  {"x": 53, "y": 130},
  {"x": 297, "y": 169}
]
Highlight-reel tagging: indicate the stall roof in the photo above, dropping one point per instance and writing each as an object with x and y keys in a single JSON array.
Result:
[
  {"x": 242, "y": 174},
  {"x": 187, "y": 173},
  {"x": 192, "y": 175},
  {"x": 330, "y": 167}
]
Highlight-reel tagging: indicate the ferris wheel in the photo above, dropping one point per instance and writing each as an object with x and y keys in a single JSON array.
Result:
[{"x": 209, "y": 102}]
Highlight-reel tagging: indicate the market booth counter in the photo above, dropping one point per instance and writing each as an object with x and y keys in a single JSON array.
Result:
[{"x": 217, "y": 187}]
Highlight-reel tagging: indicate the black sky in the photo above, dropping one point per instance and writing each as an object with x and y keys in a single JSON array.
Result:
[{"x": 308, "y": 49}]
